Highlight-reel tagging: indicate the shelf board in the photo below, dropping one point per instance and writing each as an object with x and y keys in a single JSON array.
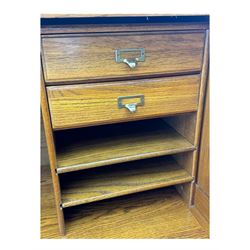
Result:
[
  {"x": 117, "y": 180},
  {"x": 110, "y": 144},
  {"x": 155, "y": 214}
]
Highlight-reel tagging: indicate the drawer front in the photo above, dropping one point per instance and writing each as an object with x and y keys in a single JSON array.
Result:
[
  {"x": 92, "y": 104},
  {"x": 89, "y": 57}
]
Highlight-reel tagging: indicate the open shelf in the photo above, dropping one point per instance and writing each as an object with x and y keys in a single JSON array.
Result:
[
  {"x": 110, "y": 144},
  {"x": 117, "y": 180}
]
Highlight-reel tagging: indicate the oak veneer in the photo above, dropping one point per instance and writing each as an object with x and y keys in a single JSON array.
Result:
[
  {"x": 201, "y": 201},
  {"x": 92, "y": 104},
  {"x": 84, "y": 60},
  {"x": 190, "y": 126},
  {"x": 158, "y": 213},
  {"x": 85, "y": 57},
  {"x": 104, "y": 145},
  {"x": 52, "y": 154},
  {"x": 127, "y": 178},
  {"x": 201, "y": 192},
  {"x": 204, "y": 158},
  {"x": 44, "y": 160}
]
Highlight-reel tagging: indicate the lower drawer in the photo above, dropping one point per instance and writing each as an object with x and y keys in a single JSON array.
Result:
[{"x": 92, "y": 104}]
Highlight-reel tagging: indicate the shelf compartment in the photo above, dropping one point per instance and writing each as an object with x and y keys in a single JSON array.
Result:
[
  {"x": 122, "y": 179},
  {"x": 110, "y": 144}
]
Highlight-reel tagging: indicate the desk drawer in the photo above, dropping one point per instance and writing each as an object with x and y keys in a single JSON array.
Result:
[
  {"x": 79, "y": 58},
  {"x": 92, "y": 104}
]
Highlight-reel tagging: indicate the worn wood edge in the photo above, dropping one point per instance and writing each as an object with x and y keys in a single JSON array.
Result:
[
  {"x": 83, "y": 166},
  {"x": 52, "y": 155},
  {"x": 186, "y": 179}
]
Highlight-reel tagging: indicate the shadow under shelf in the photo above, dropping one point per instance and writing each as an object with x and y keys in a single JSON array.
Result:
[{"x": 91, "y": 147}]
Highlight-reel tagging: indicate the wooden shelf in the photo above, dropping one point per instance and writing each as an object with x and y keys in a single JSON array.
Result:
[
  {"x": 156, "y": 214},
  {"x": 110, "y": 144},
  {"x": 117, "y": 180}
]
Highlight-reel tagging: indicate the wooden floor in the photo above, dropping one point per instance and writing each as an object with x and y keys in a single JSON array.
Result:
[{"x": 153, "y": 214}]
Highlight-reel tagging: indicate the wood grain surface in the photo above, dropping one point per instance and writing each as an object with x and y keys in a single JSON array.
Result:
[
  {"x": 186, "y": 160},
  {"x": 83, "y": 82},
  {"x": 44, "y": 158},
  {"x": 202, "y": 96},
  {"x": 201, "y": 202},
  {"x": 117, "y": 180},
  {"x": 184, "y": 124},
  {"x": 203, "y": 171},
  {"x": 91, "y": 104},
  {"x": 99, "y": 146},
  {"x": 155, "y": 214},
  {"x": 52, "y": 154},
  {"x": 201, "y": 196},
  {"x": 200, "y": 218},
  {"x": 85, "y": 57},
  {"x": 112, "y": 28}
]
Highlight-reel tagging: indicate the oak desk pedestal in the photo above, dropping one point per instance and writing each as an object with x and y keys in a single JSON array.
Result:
[{"x": 122, "y": 103}]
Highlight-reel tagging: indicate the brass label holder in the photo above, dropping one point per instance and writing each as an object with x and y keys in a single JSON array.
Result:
[
  {"x": 131, "y": 62},
  {"x": 132, "y": 107}
]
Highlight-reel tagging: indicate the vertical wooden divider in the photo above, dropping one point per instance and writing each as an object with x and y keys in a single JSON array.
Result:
[
  {"x": 52, "y": 155},
  {"x": 202, "y": 95},
  {"x": 189, "y": 126}
]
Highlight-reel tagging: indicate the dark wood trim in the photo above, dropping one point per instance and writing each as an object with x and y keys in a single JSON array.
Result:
[{"x": 125, "y": 19}]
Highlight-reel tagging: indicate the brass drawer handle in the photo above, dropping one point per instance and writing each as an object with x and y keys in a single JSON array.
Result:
[
  {"x": 131, "y": 62},
  {"x": 130, "y": 106}
]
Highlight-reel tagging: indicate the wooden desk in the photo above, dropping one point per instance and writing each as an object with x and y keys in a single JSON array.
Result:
[{"x": 122, "y": 102}]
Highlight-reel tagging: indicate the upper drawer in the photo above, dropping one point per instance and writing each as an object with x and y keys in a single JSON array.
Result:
[{"x": 92, "y": 57}]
